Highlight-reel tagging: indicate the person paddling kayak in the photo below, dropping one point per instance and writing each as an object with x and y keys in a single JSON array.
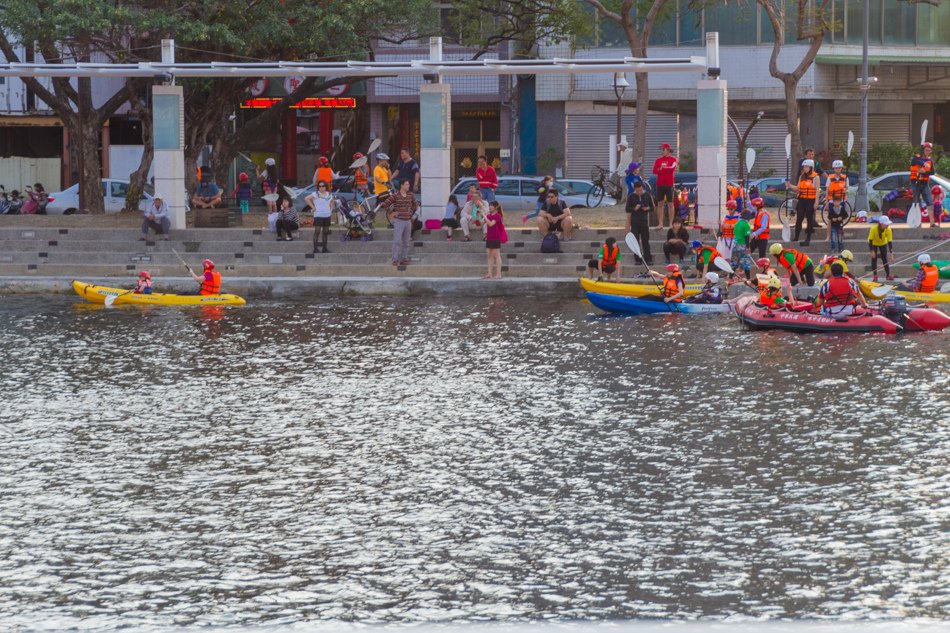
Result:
[
  {"x": 673, "y": 284},
  {"x": 926, "y": 279},
  {"x": 210, "y": 280},
  {"x": 711, "y": 292}
]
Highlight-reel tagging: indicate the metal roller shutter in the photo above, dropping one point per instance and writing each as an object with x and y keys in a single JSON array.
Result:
[
  {"x": 768, "y": 140},
  {"x": 588, "y": 137},
  {"x": 882, "y": 128}
]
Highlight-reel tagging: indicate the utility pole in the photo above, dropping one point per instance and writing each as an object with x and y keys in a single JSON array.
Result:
[{"x": 861, "y": 201}]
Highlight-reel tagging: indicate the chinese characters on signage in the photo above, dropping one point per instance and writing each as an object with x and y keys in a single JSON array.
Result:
[{"x": 311, "y": 103}]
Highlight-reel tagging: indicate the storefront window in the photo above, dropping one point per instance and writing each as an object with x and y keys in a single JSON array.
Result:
[
  {"x": 899, "y": 18},
  {"x": 933, "y": 24},
  {"x": 735, "y": 23}
]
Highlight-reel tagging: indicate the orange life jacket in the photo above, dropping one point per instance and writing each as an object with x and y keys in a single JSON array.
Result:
[
  {"x": 768, "y": 297},
  {"x": 713, "y": 254},
  {"x": 806, "y": 187},
  {"x": 838, "y": 292},
  {"x": 728, "y": 228},
  {"x": 142, "y": 286},
  {"x": 360, "y": 178},
  {"x": 212, "y": 287},
  {"x": 837, "y": 186},
  {"x": 326, "y": 175},
  {"x": 732, "y": 192},
  {"x": 801, "y": 259},
  {"x": 929, "y": 283},
  {"x": 672, "y": 285},
  {"x": 610, "y": 256},
  {"x": 761, "y": 219},
  {"x": 921, "y": 172},
  {"x": 762, "y": 279}
]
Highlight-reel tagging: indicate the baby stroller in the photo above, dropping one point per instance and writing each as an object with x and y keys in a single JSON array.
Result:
[{"x": 357, "y": 225}]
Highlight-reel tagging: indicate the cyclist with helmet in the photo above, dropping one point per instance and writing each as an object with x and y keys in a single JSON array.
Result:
[
  {"x": 360, "y": 179},
  {"x": 921, "y": 169},
  {"x": 210, "y": 279},
  {"x": 836, "y": 192}
]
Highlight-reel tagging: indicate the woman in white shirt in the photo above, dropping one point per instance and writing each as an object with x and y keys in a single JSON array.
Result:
[{"x": 321, "y": 203}]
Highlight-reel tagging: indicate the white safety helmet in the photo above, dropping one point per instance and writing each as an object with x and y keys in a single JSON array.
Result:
[
  {"x": 923, "y": 259},
  {"x": 381, "y": 156},
  {"x": 270, "y": 161},
  {"x": 884, "y": 220},
  {"x": 712, "y": 277},
  {"x": 836, "y": 164},
  {"x": 808, "y": 163}
]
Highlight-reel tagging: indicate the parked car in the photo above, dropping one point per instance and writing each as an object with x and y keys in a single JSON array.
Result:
[
  {"x": 520, "y": 193},
  {"x": 771, "y": 190},
  {"x": 66, "y": 202},
  {"x": 883, "y": 185}
]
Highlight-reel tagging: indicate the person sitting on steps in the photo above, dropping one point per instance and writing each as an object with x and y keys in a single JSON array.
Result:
[
  {"x": 473, "y": 214},
  {"x": 555, "y": 216}
]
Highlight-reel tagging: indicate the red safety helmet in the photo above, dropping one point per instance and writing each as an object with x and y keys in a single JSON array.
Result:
[
  {"x": 731, "y": 204},
  {"x": 207, "y": 264},
  {"x": 357, "y": 155},
  {"x": 144, "y": 274},
  {"x": 672, "y": 268},
  {"x": 243, "y": 177},
  {"x": 323, "y": 160},
  {"x": 758, "y": 202},
  {"x": 936, "y": 190},
  {"x": 762, "y": 261},
  {"x": 927, "y": 145}
]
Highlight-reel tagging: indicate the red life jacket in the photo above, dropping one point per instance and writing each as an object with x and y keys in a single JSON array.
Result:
[
  {"x": 838, "y": 292},
  {"x": 931, "y": 274},
  {"x": 326, "y": 175},
  {"x": 728, "y": 228},
  {"x": 610, "y": 256},
  {"x": 213, "y": 286},
  {"x": 673, "y": 285},
  {"x": 801, "y": 260},
  {"x": 761, "y": 219}
]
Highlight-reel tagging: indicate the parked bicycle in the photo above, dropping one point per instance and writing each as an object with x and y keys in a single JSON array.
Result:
[
  {"x": 787, "y": 209},
  {"x": 603, "y": 185}
]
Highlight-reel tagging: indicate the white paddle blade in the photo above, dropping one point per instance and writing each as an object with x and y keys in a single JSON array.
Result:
[
  {"x": 722, "y": 264},
  {"x": 374, "y": 145},
  {"x": 749, "y": 160},
  {"x": 923, "y": 132},
  {"x": 788, "y": 147},
  {"x": 634, "y": 245},
  {"x": 271, "y": 197},
  {"x": 359, "y": 162},
  {"x": 850, "y": 141},
  {"x": 913, "y": 216},
  {"x": 945, "y": 287},
  {"x": 881, "y": 291},
  {"x": 786, "y": 232},
  {"x": 111, "y": 299}
]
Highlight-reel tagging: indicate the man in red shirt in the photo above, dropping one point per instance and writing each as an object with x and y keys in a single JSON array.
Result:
[
  {"x": 487, "y": 179},
  {"x": 664, "y": 167}
]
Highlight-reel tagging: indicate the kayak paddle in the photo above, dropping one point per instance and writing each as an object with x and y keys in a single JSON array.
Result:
[
  {"x": 882, "y": 291},
  {"x": 111, "y": 298},
  {"x": 722, "y": 264},
  {"x": 187, "y": 267},
  {"x": 945, "y": 287},
  {"x": 634, "y": 246}
]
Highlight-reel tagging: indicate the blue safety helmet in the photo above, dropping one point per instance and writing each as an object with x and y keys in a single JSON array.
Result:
[{"x": 697, "y": 244}]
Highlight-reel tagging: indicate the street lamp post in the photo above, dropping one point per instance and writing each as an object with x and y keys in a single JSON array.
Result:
[
  {"x": 741, "y": 140},
  {"x": 861, "y": 200},
  {"x": 620, "y": 86}
]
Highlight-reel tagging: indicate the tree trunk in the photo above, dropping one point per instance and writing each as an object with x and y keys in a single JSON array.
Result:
[
  {"x": 139, "y": 178},
  {"x": 223, "y": 151},
  {"x": 792, "y": 115},
  {"x": 642, "y": 81},
  {"x": 191, "y": 168}
]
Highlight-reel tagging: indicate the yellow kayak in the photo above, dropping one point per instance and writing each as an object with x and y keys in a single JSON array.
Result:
[
  {"x": 936, "y": 297},
  {"x": 630, "y": 290},
  {"x": 98, "y": 294}
]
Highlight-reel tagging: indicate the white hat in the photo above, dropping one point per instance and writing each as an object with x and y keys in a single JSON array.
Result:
[
  {"x": 884, "y": 220},
  {"x": 923, "y": 258},
  {"x": 836, "y": 164},
  {"x": 158, "y": 196},
  {"x": 382, "y": 156},
  {"x": 270, "y": 161},
  {"x": 808, "y": 163},
  {"x": 862, "y": 214},
  {"x": 713, "y": 277}
]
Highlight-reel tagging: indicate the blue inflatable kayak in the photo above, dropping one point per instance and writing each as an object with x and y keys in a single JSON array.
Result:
[{"x": 640, "y": 305}]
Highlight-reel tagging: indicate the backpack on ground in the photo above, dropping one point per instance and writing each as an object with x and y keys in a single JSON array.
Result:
[{"x": 550, "y": 243}]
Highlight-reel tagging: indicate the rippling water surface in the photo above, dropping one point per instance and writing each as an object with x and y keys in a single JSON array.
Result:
[{"x": 407, "y": 460}]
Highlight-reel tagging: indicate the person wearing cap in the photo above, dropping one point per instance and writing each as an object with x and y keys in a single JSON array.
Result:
[
  {"x": 836, "y": 192},
  {"x": 799, "y": 266},
  {"x": 711, "y": 292},
  {"x": 626, "y": 157},
  {"x": 157, "y": 217},
  {"x": 639, "y": 205},
  {"x": 270, "y": 183},
  {"x": 838, "y": 296},
  {"x": 664, "y": 168},
  {"x": 807, "y": 191},
  {"x": 760, "y": 227},
  {"x": 926, "y": 279},
  {"x": 674, "y": 286},
  {"x": 921, "y": 169},
  {"x": 706, "y": 257},
  {"x": 208, "y": 194},
  {"x": 633, "y": 176},
  {"x": 381, "y": 176},
  {"x": 880, "y": 242}
]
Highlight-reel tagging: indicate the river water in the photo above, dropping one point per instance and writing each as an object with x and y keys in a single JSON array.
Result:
[{"x": 410, "y": 460}]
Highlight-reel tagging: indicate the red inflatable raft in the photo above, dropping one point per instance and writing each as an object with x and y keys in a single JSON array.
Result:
[{"x": 910, "y": 319}]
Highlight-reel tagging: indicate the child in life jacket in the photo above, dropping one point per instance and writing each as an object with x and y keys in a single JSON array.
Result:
[
  {"x": 711, "y": 292},
  {"x": 144, "y": 285},
  {"x": 242, "y": 193},
  {"x": 771, "y": 296},
  {"x": 937, "y": 193},
  {"x": 607, "y": 262}
]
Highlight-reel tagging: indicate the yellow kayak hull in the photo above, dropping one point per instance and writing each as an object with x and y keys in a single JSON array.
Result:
[
  {"x": 98, "y": 294},
  {"x": 630, "y": 290},
  {"x": 930, "y": 297}
]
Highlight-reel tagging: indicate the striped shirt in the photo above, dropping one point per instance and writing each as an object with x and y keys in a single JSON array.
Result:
[
  {"x": 290, "y": 215},
  {"x": 401, "y": 206}
]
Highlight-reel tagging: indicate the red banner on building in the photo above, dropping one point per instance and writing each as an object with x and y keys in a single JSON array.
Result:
[{"x": 311, "y": 103}]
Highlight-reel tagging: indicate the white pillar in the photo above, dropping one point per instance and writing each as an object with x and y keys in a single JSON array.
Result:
[
  {"x": 168, "y": 121},
  {"x": 712, "y": 103},
  {"x": 435, "y": 122}
]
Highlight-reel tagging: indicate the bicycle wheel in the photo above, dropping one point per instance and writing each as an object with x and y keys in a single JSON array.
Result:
[
  {"x": 847, "y": 207},
  {"x": 595, "y": 195},
  {"x": 787, "y": 210}
]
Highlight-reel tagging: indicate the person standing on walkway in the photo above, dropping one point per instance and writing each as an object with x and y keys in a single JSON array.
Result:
[
  {"x": 495, "y": 236},
  {"x": 807, "y": 192},
  {"x": 324, "y": 172},
  {"x": 665, "y": 168},
  {"x": 321, "y": 203},
  {"x": 760, "y": 227},
  {"x": 639, "y": 206},
  {"x": 487, "y": 179},
  {"x": 407, "y": 169},
  {"x": 399, "y": 209},
  {"x": 269, "y": 183},
  {"x": 921, "y": 169},
  {"x": 880, "y": 241}
]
